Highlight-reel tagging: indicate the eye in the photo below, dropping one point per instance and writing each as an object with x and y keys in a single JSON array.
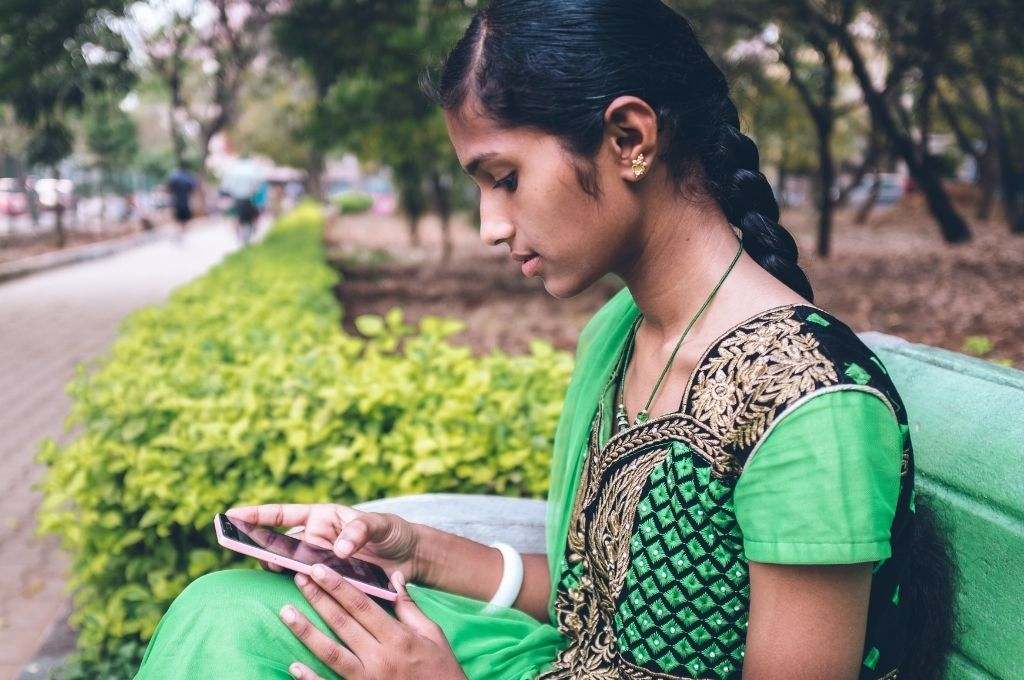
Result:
[{"x": 509, "y": 182}]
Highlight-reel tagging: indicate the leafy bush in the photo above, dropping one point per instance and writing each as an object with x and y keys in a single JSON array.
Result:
[
  {"x": 352, "y": 202},
  {"x": 244, "y": 389}
]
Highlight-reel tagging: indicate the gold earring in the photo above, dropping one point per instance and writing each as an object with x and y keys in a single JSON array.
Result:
[{"x": 639, "y": 166}]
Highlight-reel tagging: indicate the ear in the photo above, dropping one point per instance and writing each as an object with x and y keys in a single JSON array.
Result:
[{"x": 631, "y": 129}]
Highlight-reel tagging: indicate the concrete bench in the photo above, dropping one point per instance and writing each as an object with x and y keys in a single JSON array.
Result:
[{"x": 967, "y": 425}]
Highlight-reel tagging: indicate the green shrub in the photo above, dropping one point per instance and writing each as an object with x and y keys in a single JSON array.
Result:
[
  {"x": 352, "y": 202},
  {"x": 978, "y": 345},
  {"x": 244, "y": 389}
]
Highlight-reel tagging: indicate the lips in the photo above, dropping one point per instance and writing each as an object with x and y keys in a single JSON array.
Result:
[{"x": 531, "y": 265}]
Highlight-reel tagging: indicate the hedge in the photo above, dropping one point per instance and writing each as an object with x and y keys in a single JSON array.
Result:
[
  {"x": 243, "y": 388},
  {"x": 353, "y": 202}
]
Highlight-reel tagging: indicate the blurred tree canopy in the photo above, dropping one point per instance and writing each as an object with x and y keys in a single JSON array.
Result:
[
  {"x": 868, "y": 84},
  {"x": 365, "y": 60},
  {"x": 53, "y": 56},
  {"x": 919, "y": 67}
]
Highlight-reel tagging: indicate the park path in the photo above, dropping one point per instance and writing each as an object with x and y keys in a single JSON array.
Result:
[{"x": 49, "y": 322}]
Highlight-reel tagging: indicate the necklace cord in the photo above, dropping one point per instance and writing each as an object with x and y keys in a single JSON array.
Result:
[{"x": 643, "y": 415}]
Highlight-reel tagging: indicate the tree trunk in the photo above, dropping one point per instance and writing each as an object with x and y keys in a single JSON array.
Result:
[
  {"x": 826, "y": 178},
  {"x": 869, "y": 202},
  {"x": 951, "y": 225},
  {"x": 870, "y": 162},
  {"x": 982, "y": 160},
  {"x": 1011, "y": 192},
  {"x": 58, "y": 214},
  {"x": 442, "y": 203},
  {"x": 177, "y": 138},
  {"x": 315, "y": 173},
  {"x": 412, "y": 225},
  {"x": 986, "y": 184}
]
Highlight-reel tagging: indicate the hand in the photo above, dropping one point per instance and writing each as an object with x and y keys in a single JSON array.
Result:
[
  {"x": 384, "y": 539},
  {"x": 377, "y": 646}
]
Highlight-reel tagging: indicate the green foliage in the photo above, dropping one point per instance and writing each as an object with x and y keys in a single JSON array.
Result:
[
  {"x": 110, "y": 133},
  {"x": 978, "y": 345},
  {"x": 353, "y": 202},
  {"x": 244, "y": 389}
]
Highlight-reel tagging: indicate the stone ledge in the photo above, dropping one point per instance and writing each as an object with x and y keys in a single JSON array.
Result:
[{"x": 90, "y": 251}]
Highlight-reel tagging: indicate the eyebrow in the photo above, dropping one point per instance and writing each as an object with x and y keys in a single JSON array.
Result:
[{"x": 471, "y": 167}]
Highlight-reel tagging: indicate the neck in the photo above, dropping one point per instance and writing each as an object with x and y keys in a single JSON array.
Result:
[{"x": 684, "y": 249}]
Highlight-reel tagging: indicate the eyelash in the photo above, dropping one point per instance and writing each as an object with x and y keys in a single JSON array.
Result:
[{"x": 508, "y": 182}]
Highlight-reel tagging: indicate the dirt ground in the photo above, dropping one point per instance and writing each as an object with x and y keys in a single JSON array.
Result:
[
  {"x": 18, "y": 246},
  {"x": 893, "y": 274}
]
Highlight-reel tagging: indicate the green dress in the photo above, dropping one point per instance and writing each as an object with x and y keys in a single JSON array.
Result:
[{"x": 790, "y": 446}]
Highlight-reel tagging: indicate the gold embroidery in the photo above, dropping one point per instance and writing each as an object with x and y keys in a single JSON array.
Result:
[
  {"x": 735, "y": 391},
  {"x": 755, "y": 371},
  {"x": 602, "y": 544}
]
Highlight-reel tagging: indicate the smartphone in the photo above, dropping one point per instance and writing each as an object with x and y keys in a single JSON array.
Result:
[{"x": 286, "y": 551}]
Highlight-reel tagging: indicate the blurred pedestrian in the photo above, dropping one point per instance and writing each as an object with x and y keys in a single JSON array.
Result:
[
  {"x": 245, "y": 181},
  {"x": 180, "y": 185}
]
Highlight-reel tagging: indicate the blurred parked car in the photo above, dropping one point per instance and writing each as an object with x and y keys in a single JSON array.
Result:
[
  {"x": 890, "y": 190},
  {"x": 12, "y": 200},
  {"x": 336, "y": 187},
  {"x": 52, "y": 192}
]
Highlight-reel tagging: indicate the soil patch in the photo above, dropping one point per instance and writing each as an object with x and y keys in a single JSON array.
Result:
[{"x": 893, "y": 274}]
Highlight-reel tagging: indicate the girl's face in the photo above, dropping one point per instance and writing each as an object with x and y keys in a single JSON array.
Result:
[{"x": 530, "y": 199}]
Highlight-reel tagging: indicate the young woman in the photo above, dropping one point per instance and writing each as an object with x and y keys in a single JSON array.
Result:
[{"x": 732, "y": 481}]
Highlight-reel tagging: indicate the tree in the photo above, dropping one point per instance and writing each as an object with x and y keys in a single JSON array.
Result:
[
  {"x": 203, "y": 52},
  {"x": 112, "y": 137},
  {"x": 51, "y": 56},
  {"x": 367, "y": 98},
  {"x": 886, "y": 33},
  {"x": 887, "y": 114},
  {"x": 276, "y": 107}
]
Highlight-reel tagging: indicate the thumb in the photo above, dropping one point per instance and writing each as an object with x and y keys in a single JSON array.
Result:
[{"x": 409, "y": 613}]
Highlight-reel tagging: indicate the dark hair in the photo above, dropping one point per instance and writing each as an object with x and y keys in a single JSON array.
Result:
[
  {"x": 556, "y": 65},
  {"x": 929, "y": 582}
]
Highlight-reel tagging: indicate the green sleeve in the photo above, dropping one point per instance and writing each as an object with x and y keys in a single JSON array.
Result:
[{"x": 822, "y": 485}]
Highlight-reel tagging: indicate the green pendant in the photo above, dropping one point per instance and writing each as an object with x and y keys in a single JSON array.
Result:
[{"x": 642, "y": 417}]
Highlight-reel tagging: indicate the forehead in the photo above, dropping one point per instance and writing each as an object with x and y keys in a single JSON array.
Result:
[{"x": 474, "y": 135}]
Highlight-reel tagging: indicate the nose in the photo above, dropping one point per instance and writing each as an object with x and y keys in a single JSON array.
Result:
[{"x": 495, "y": 228}]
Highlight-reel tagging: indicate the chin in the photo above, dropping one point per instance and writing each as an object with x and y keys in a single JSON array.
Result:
[{"x": 563, "y": 288}]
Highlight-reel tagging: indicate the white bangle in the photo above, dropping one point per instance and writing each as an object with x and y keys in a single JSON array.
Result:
[{"x": 511, "y": 578}]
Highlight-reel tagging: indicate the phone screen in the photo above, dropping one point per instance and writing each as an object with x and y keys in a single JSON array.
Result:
[{"x": 300, "y": 551}]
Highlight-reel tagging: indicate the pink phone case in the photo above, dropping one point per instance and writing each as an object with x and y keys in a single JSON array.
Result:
[{"x": 301, "y": 567}]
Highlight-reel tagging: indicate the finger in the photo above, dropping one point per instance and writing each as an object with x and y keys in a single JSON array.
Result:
[
  {"x": 354, "y": 635},
  {"x": 356, "y": 603},
  {"x": 409, "y": 613},
  {"x": 347, "y": 513},
  {"x": 272, "y": 514},
  {"x": 359, "y": 531},
  {"x": 301, "y": 671},
  {"x": 336, "y": 656},
  {"x": 270, "y": 566}
]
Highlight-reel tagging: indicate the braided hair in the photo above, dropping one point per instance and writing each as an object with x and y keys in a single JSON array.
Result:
[
  {"x": 555, "y": 66},
  {"x": 731, "y": 165}
]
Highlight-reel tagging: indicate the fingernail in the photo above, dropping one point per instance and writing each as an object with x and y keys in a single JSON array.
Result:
[
  {"x": 398, "y": 579},
  {"x": 296, "y": 670},
  {"x": 319, "y": 571},
  {"x": 288, "y": 613},
  {"x": 301, "y": 580},
  {"x": 342, "y": 547}
]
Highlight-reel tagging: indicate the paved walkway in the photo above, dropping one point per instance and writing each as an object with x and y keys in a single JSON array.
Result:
[{"x": 48, "y": 323}]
